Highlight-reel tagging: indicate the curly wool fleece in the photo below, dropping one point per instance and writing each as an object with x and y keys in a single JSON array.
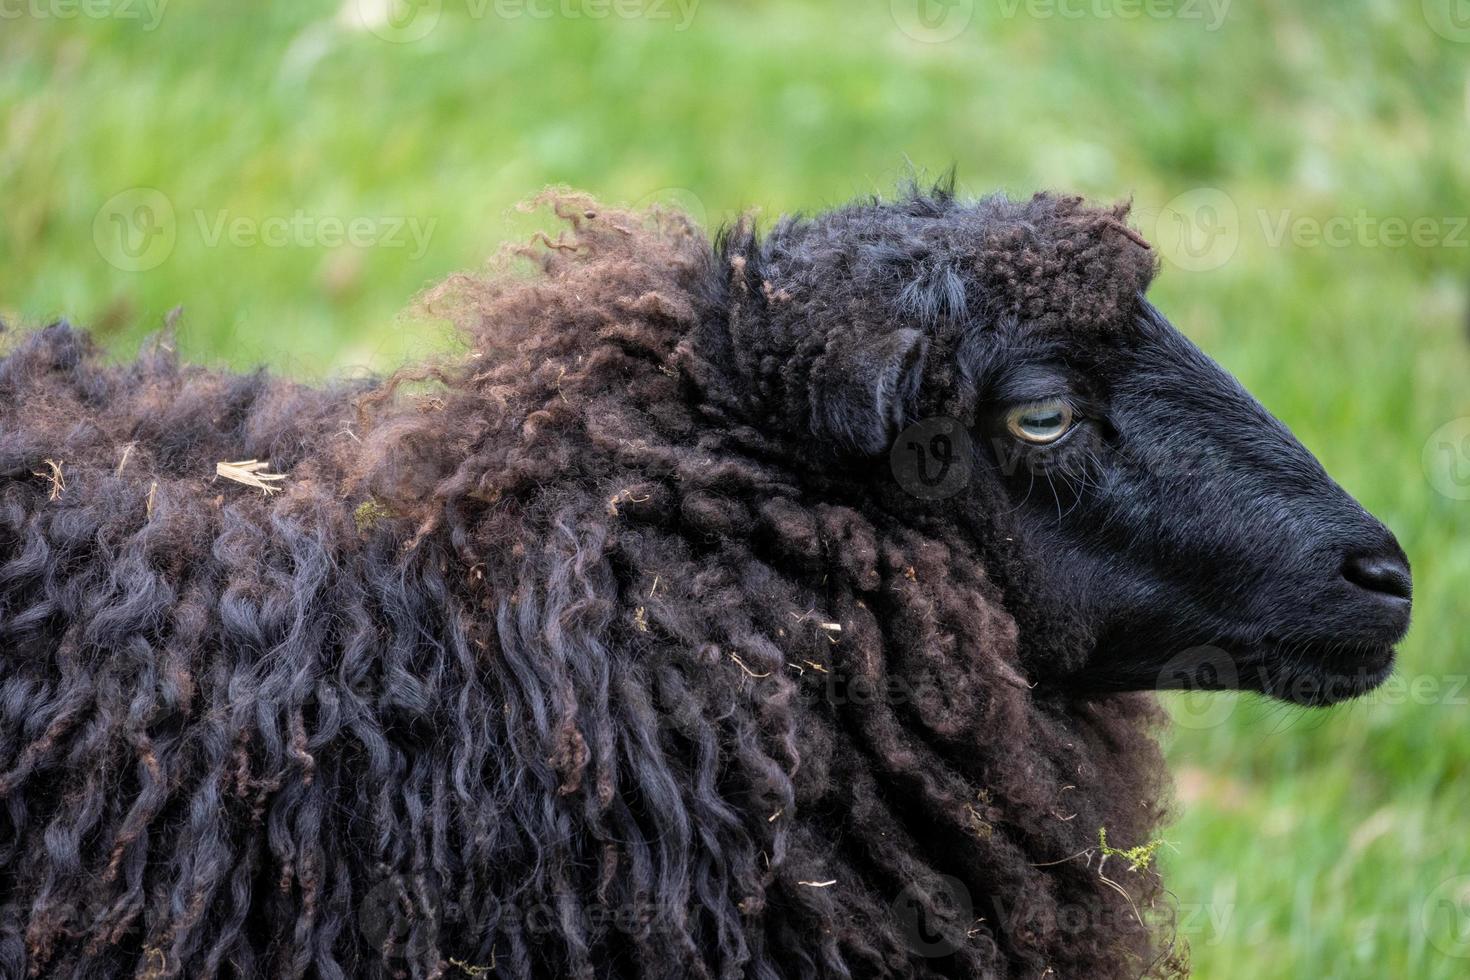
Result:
[{"x": 582, "y": 655}]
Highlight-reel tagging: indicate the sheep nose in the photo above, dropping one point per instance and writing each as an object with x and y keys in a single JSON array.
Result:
[{"x": 1385, "y": 574}]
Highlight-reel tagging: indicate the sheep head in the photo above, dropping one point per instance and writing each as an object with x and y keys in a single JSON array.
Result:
[{"x": 1155, "y": 526}]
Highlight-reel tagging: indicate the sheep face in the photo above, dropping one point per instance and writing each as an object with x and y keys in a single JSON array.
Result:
[
  {"x": 1195, "y": 539},
  {"x": 1143, "y": 507}
]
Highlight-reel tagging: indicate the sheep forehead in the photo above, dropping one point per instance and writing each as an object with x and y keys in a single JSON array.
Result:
[{"x": 1054, "y": 263}]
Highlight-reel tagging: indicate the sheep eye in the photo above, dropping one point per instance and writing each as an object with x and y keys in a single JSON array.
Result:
[{"x": 1040, "y": 422}]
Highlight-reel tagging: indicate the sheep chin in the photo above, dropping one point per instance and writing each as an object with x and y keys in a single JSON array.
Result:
[{"x": 1320, "y": 675}]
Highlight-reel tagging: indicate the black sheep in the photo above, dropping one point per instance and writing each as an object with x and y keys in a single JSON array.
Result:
[{"x": 771, "y": 607}]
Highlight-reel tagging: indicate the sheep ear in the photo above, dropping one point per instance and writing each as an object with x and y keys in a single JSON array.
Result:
[{"x": 866, "y": 392}]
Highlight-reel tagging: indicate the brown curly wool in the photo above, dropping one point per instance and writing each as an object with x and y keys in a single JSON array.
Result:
[{"x": 576, "y": 656}]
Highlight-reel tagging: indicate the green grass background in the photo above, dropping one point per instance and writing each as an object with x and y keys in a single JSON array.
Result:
[{"x": 1309, "y": 844}]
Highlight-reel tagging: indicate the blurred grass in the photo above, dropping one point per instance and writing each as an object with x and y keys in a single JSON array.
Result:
[{"x": 1310, "y": 845}]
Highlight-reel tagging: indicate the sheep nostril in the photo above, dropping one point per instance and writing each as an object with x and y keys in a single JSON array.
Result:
[{"x": 1384, "y": 574}]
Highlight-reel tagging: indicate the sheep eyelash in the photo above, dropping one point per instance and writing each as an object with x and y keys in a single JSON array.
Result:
[{"x": 1070, "y": 463}]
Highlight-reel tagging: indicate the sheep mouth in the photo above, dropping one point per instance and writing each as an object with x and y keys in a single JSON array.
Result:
[
  {"x": 1323, "y": 674},
  {"x": 1312, "y": 673}
]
